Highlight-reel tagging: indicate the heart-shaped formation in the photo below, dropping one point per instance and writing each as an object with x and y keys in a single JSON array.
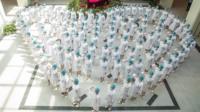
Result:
[{"x": 134, "y": 46}]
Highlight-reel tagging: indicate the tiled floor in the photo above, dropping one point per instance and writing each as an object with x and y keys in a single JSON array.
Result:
[{"x": 16, "y": 73}]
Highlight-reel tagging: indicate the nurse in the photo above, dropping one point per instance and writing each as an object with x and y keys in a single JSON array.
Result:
[
  {"x": 88, "y": 66},
  {"x": 125, "y": 89},
  {"x": 54, "y": 75},
  {"x": 104, "y": 68},
  {"x": 78, "y": 63},
  {"x": 76, "y": 93},
  {"x": 61, "y": 57},
  {"x": 63, "y": 82},
  {"x": 68, "y": 60},
  {"x": 97, "y": 101},
  {"x": 117, "y": 69},
  {"x": 110, "y": 97},
  {"x": 48, "y": 72}
]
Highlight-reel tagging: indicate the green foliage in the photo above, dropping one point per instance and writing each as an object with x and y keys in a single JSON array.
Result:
[
  {"x": 74, "y": 5},
  {"x": 153, "y": 3},
  {"x": 115, "y": 3},
  {"x": 98, "y": 10},
  {"x": 9, "y": 29}
]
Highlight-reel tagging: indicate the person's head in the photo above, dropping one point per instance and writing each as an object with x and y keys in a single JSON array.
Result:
[
  {"x": 78, "y": 53},
  {"x": 157, "y": 46},
  {"x": 111, "y": 36},
  {"x": 97, "y": 90},
  {"x": 116, "y": 48},
  {"x": 77, "y": 34},
  {"x": 76, "y": 81},
  {"x": 151, "y": 73},
  {"x": 140, "y": 60},
  {"x": 38, "y": 46},
  {"x": 104, "y": 59},
  {"x": 159, "y": 30},
  {"x": 145, "y": 15},
  {"x": 162, "y": 20},
  {"x": 113, "y": 86},
  {"x": 42, "y": 27},
  {"x": 114, "y": 18},
  {"x": 130, "y": 62},
  {"x": 34, "y": 42},
  {"x": 96, "y": 29},
  {"x": 174, "y": 33},
  {"x": 151, "y": 52},
  {"x": 141, "y": 78},
  {"x": 161, "y": 67},
  {"x": 169, "y": 60},
  {"x": 176, "y": 54},
  {"x": 152, "y": 33},
  {"x": 118, "y": 60},
  {"x": 63, "y": 72},
  {"x": 96, "y": 34},
  {"x": 85, "y": 40},
  {"x": 126, "y": 37},
  {"x": 170, "y": 37},
  {"x": 133, "y": 49},
  {"x": 60, "y": 48},
  {"x": 28, "y": 33},
  {"x": 68, "y": 50},
  {"x": 140, "y": 30},
  {"x": 85, "y": 17},
  {"x": 112, "y": 28},
  {"x": 54, "y": 66},
  {"x": 105, "y": 46},
  {"x": 92, "y": 44},
  {"x": 165, "y": 41},
  {"x": 187, "y": 25},
  {"x": 140, "y": 42},
  {"x": 129, "y": 78},
  {"x": 182, "y": 49},
  {"x": 88, "y": 56}
]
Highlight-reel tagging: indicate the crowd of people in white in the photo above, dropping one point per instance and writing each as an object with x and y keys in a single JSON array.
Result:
[{"x": 135, "y": 46}]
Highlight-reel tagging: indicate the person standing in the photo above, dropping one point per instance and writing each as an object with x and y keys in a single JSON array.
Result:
[
  {"x": 76, "y": 93},
  {"x": 54, "y": 75},
  {"x": 125, "y": 89},
  {"x": 110, "y": 96},
  {"x": 97, "y": 101}
]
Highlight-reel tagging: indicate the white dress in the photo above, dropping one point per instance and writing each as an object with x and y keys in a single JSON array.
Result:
[
  {"x": 117, "y": 69},
  {"x": 60, "y": 57},
  {"x": 135, "y": 87},
  {"x": 157, "y": 75},
  {"x": 88, "y": 66},
  {"x": 125, "y": 90},
  {"x": 68, "y": 60},
  {"x": 104, "y": 68},
  {"x": 63, "y": 83},
  {"x": 110, "y": 97},
  {"x": 149, "y": 42},
  {"x": 77, "y": 63},
  {"x": 96, "y": 102},
  {"x": 54, "y": 77}
]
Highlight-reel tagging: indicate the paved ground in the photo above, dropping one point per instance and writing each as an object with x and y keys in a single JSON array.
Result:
[{"x": 21, "y": 90}]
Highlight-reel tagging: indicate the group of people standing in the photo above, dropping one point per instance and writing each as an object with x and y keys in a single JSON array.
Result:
[{"x": 136, "y": 47}]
